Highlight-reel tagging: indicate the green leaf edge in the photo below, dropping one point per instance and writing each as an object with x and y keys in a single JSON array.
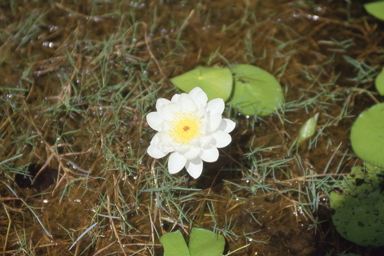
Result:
[
  {"x": 336, "y": 200},
  {"x": 363, "y": 148},
  {"x": 175, "y": 245},
  {"x": 376, "y": 9},
  {"x": 379, "y": 82},
  {"x": 235, "y": 103},
  {"x": 308, "y": 129},
  {"x": 183, "y": 81},
  {"x": 205, "y": 247}
]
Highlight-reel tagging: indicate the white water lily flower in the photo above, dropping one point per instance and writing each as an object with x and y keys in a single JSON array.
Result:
[{"x": 191, "y": 128}]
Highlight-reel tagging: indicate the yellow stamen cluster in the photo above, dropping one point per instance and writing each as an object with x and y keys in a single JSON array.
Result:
[{"x": 185, "y": 127}]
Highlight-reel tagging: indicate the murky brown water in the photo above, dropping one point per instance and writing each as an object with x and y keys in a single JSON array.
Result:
[{"x": 78, "y": 77}]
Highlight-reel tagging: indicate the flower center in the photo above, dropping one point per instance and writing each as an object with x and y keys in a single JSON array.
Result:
[{"x": 185, "y": 127}]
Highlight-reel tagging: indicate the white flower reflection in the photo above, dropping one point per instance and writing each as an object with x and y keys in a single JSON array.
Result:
[{"x": 191, "y": 128}]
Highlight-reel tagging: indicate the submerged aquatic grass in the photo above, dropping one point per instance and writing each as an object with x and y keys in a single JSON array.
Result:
[{"x": 75, "y": 91}]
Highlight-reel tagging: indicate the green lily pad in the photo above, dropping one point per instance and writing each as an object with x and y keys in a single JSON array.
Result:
[
  {"x": 367, "y": 135},
  {"x": 216, "y": 82},
  {"x": 359, "y": 216},
  {"x": 204, "y": 242},
  {"x": 174, "y": 244},
  {"x": 308, "y": 129},
  {"x": 379, "y": 82},
  {"x": 256, "y": 92},
  {"x": 376, "y": 9}
]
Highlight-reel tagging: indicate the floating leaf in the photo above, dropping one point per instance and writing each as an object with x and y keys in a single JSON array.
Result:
[
  {"x": 379, "y": 82},
  {"x": 216, "y": 82},
  {"x": 367, "y": 135},
  {"x": 359, "y": 216},
  {"x": 376, "y": 9},
  {"x": 308, "y": 129},
  {"x": 256, "y": 92},
  {"x": 204, "y": 242},
  {"x": 174, "y": 244}
]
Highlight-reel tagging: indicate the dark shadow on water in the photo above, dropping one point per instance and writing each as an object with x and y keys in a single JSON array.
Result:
[{"x": 45, "y": 179}]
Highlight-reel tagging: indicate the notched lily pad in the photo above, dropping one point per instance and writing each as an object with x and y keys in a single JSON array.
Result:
[
  {"x": 379, "y": 82},
  {"x": 216, "y": 82},
  {"x": 359, "y": 216},
  {"x": 376, "y": 9},
  {"x": 174, "y": 244},
  {"x": 367, "y": 135},
  {"x": 256, "y": 92},
  {"x": 204, "y": 242}
]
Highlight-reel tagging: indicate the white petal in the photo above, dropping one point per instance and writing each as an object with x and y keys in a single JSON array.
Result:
[
  {"x": 186, "y": 103},
  {"x": 154, "y": 120},
  {"x": 214, "y": 121},
  {"x": 195, "y": 91},
  {"x": 206, "y": 141},
  {"x": 192, "y": 153},
  {"x": 175, "y": 97},
  {"x": 201, "y": 112},
  {"x": 167, "y": 111},
  {"x": 227, "y": 125},
  {"x": 194, "y": 167},
  {"x": 155, "y": 152},
  {"x": 165, "y": 127},
  {"x": 222, "y": 139},
  {"x": 164, "y": 138},
  {"x": 161, "y": 102},
  {"x": 210, "y": 155},
  {"x": 156, "y": 139},
  {"x": 195, "y": 142},
  {"x": 216, "y": 106},
  {"x": 179, "y": 147},
  {"x": 199, "y": 96},
  {"x": 176, "y": 162}
]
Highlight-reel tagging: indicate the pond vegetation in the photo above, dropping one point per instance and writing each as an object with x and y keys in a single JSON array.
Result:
[{"x": 78, "y": 79}]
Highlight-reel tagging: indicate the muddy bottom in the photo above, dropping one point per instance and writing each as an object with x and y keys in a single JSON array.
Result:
[{"x": 79, "y": 77}]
